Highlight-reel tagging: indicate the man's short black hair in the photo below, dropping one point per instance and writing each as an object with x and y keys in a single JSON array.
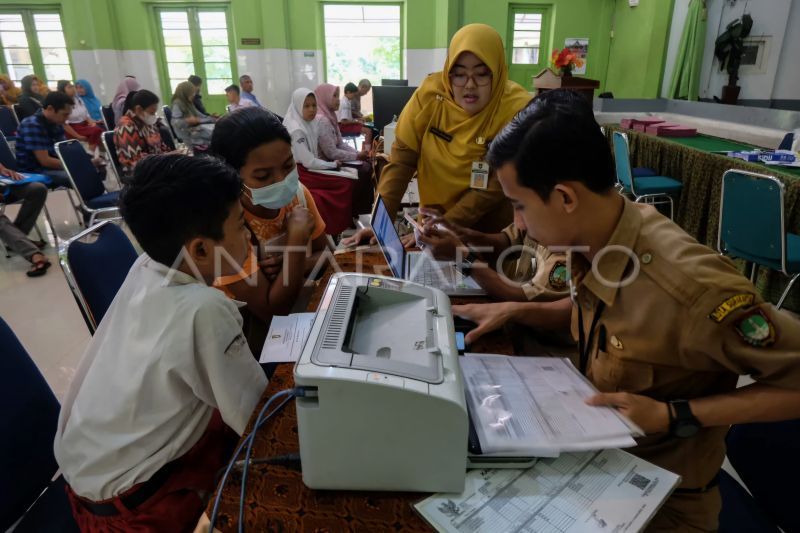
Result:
[
  {"x": 174, "y": 198},
  {"x": 350, "y": 88},
  {"x": 237, "y": 134},
  {"x": 57, "y": 100},
  {"x": 233, "y": 88},
  {"x": 555, "y": 139},
  {"x": 195, "y": 80}
]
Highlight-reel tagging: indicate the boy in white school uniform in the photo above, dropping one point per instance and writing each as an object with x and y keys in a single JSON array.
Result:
[{"x": 167, "y": 381}]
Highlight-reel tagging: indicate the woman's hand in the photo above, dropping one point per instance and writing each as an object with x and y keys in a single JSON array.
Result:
[
  {"x": 271, "y": 266},
  {"x": 409, "y": 241},
  {"x": 192, "y": 121},
  {"x": 650, "y": 415},
  {"x": 364, "y": 234},
  {"x": 363, "y": 155},
  {"x": 300, "y": 224}
]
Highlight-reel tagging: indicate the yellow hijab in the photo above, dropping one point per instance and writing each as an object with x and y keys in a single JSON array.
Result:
[
  {"x": 444, "y": 168},
  {"x": 11, "y": 94}
]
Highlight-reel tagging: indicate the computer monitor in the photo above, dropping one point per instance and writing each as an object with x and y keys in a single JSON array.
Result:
[
  {"x": 395, "y": 83},
  {"x": 388, "y": 102}
]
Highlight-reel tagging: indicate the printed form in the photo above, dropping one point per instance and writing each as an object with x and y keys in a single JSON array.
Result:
[{"x": 286, "y": 338}]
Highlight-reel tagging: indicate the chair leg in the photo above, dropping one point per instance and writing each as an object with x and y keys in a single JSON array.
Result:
[
  {"x": 52, "y": 226},
  {"x": 786, "y": 291}
]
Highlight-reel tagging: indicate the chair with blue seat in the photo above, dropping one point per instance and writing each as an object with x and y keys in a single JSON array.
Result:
[
  {"x": 168, "y": 115},
  {"x": 654, "y": 190},
  {"x": 111, "y": 149},
  {"x": 108, "y": 117},
  {"x": 86, "y": 182},
  {"x": 765, "y": 456},
  {"x": 8, "y": 122},
  {"x": 28, "y": 425},
  {"x": 752, "y": 225},
  {"x": 95, "y": 263}
]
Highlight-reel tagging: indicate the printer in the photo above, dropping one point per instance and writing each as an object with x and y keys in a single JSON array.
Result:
[{"x": 387, "y": 409}]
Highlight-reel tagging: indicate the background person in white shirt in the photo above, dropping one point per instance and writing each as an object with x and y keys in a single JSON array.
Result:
[
  {"x": 141, "y": 434},
  {"x": 235, "y": 100},
  {"x": 347, "y": 123}
]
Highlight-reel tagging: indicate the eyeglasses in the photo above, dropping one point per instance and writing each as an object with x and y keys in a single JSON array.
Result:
[{"x": 481, "y": 80}]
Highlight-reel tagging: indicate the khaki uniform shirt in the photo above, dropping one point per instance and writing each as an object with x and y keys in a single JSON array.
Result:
[
  {"x": 541, "y": 273},
  {"x": 685, "y": 326}
]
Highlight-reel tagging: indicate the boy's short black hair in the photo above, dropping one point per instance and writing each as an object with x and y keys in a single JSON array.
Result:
[
  {"x": 174, "y": 198},
  {"x": 350, "y": 88},
  {"x": 555, "y": 139},
  {"x": 237, "y": 134},
  {"x": 195, "y": 80},
  {"x": 57, "y": 100},
  {"x": 233, "y": 88}
]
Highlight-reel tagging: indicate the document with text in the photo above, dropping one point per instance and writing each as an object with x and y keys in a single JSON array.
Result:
[{"x": 286, "y": 338}]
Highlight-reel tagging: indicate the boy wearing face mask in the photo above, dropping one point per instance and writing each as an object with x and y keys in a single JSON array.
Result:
[
  {"x": 136, "y": 135},
  {"x": 287, "y": 228}
]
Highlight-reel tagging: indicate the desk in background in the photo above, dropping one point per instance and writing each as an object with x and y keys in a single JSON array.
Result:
[
  {"x": 690, "y": 161},
  {"x": 277, "y": 500}
]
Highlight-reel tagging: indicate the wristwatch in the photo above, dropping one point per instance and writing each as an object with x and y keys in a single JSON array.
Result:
[{"x": 682, "y": 423}]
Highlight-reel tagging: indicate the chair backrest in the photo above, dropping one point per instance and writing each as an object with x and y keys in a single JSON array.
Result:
[
  {"x": 108, "y": 117},
  {"x": 786, "y": 143},
  {"x": 751, "y": 218},
  {"x": 95, "y": 263},
  {"x": 28, "y": 427},
  {"x": 111, "y": 150},
  {"x": 7, "y": 158},
  {"x": 168, "y": 115},
  {"x": 80, "y": 169},
  {"x": 622, "y": 159},
  {"x": 8, "y": 121},
  {"x": 18, "y": 112}
]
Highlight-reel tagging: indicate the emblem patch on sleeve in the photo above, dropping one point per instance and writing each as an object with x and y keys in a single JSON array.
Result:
[
  {"x": 558, "y": 276},
  {"x": 730, "y": 305},
  {"x": 756, "y": 329}
]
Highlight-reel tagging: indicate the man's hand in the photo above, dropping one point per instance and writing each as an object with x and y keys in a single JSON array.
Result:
[
  {"x": 300, "y": 224},
  {"x": 10, "y": 173},
  {"x": 364, "y": 234},
  {"x": 488, "y": 317},
  {"x": 441, "y": 242},
  {"x": 409, "y": 241},
  {"x": 650, "y": 415}
]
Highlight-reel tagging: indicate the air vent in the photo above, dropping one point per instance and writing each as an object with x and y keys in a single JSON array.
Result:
[{"x": 338, "y": 319}]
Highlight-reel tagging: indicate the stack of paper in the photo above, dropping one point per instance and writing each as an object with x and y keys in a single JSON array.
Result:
[
  {"x": 286, "y": 338},
  {"x": 536, "y": 406},
  {"x": 608, "y": 491}
]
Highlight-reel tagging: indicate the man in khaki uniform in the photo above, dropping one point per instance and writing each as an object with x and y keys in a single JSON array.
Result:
[{"x": 665, "y": 325}]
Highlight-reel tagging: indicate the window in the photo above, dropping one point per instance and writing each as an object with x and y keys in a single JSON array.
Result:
[
  {"x": 33, "y": 43},
  {"x": 527, "y": 35},
  {"x": 197, "y": 42},
  {"x": 362, "y": 41}
]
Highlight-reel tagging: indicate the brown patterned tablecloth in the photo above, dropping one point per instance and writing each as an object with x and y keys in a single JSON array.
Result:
[
  {"x": 277, "y": 500},
  {"x": 697, "y": 210}
]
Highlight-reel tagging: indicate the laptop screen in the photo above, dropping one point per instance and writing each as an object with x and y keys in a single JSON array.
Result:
[{"x": 388, "y": 239}]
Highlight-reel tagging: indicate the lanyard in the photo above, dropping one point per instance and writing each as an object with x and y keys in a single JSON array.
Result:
[{"x": 584, "y": 345}]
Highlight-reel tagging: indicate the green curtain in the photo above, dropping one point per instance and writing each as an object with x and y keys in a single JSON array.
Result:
[{"x": 686, "y": 75}]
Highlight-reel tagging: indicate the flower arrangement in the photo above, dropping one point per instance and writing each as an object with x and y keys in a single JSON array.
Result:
[{"x": 565, "y": 60}]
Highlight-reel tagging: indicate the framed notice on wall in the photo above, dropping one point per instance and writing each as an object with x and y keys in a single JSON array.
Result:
[{"x": 579, "y": 47}]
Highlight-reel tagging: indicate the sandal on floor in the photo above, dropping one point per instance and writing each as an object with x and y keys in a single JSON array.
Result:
[{"x": 39, "y": 268}]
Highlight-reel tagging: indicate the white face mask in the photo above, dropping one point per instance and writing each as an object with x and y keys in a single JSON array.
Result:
[{"x": 149, "y": 119}]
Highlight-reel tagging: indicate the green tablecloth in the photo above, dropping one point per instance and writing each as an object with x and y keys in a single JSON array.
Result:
[{"x": 689, "y": 161}]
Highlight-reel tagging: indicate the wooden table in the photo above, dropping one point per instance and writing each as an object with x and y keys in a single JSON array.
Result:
[{"x": 277, "y": 500}]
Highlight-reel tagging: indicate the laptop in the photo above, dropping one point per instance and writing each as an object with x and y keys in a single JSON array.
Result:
[{"x": 418, "y": 267}]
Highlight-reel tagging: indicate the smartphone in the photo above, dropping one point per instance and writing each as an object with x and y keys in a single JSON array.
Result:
[{"x": 461, "y": 344}]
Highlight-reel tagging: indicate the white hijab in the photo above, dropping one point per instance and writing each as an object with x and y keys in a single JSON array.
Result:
[{"x": 294, "y": 119}]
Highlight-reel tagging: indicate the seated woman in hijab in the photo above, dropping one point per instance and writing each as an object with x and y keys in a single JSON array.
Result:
[
  {"x": 126, "y": 86},
  {"x": 333, "y": 148},
  {"x": 84, "y": 90},
  {"x": 333, "y": 194},
  {"x": 31, "y": 99},
  {"x": 444, "y": 132},
  {"x": 9, "y": 93},
  {"x": 193, "y": 127},
  {"x": 79, "y": 124}
]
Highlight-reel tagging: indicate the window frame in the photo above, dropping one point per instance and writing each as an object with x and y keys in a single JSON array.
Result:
[
  {"x": 544, "y": 34},
  {"x": 192, "y": 10},
  {"x": 34, "y": 48},
  {"x": 323, "y": 40}
]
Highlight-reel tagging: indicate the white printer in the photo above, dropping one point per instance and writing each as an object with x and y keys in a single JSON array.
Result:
[{"x": 389, "y": 411}]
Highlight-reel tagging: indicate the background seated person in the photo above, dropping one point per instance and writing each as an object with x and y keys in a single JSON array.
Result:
[
  {"x": 137, "y": 135},
  {"x": 30, "y": 100},
  {"x": 93, "y": 105},
  {"x": 15, "y": 235},
  {"x": 79, "y": 124},
  {"x": 235, "y": 100},
  {"x": 192, "y": 126},
  {"x": 348, "y": 124},
  {"x": 364, "y": 87}
]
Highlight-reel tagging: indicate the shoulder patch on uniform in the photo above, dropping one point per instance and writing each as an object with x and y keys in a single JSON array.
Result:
[
  {"x": 730, "y": 305},
  {"x": 558, "y": 276},
  {"x": 756, "y": 329}
]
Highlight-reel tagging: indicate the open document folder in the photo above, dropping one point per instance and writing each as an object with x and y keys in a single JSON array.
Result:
[{"x": 535, "y": 406}]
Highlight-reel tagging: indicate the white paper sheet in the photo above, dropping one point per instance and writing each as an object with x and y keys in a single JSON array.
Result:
[
  {"x": 537, "y": 404},
  {"x": 286, "y": 338},
  {"x": 344, "y": 172},
  {"x": 606, "y": 491}
]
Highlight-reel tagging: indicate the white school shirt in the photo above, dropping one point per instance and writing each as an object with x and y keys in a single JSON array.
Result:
[
  {"x": 345, "y": 111},
  {"x": 243, "y": 102},
  {"x": 79, "y": 112},
  {"x": 168, "y": 352}
]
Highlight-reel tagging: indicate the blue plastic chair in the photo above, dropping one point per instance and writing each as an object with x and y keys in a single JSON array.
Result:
[
  {"x": 86, "y": 182},
  {"x": 28, "y": 426},
  {"x": 95, "y": 263},
  {"x": 168, "y": 115},
  {"x": 752, "y": 225},
  {"x": 655, "y": 190},
  {"x": 111, "y": 149},
  {"x": 8, "y": 122},
  {"x": 765, "y": 456},
  {"x": 108, "y": 117}
]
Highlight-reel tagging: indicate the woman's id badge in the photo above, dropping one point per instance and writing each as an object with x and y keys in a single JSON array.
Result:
[{"x": 479, "y": 178}]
